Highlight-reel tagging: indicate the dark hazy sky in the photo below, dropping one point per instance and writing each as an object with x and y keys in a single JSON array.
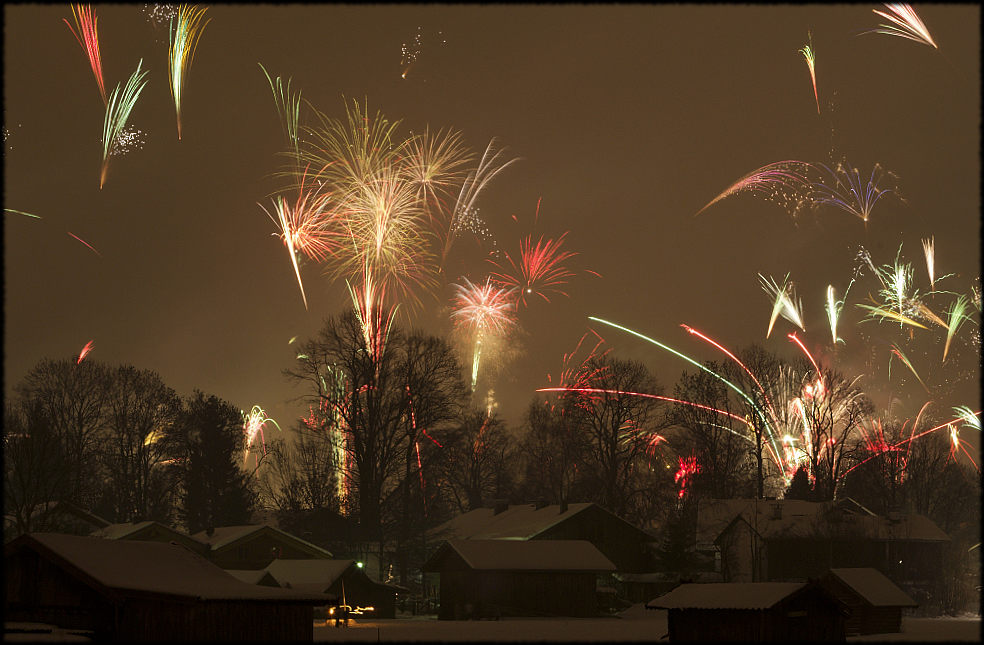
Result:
[{"x": 627, "y": 119}]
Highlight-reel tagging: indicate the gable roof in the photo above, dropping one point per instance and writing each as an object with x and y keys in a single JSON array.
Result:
[
  {"x": 224, "y": 537},
  {"x": 524, "y": 555},
  {"x": 147, "y": 567},
  {"x": 726, "y": 595},
  {"x": 874, "y": 587},
  {"x": 308, "y": 574},
  {"x": 257, "y": 577},
  {"x": 516, "y": 522}
]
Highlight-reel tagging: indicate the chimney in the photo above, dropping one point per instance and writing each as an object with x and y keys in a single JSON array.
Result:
[
  {"x": 499, "y": 506},
  {"x": 210, "y": 531}
]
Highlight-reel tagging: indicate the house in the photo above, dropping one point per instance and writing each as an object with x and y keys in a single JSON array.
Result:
[
  {"x": 134, "y": 590},
  {"x": 150, "y": 531},
  {"x": 874, "y": 602},
  {"x": 342, "y": 578},
  {"x": 254, "y": 546},
  {"x": 752, "y": 611},
  {"x": 492, "y": 578},
  {"x": 793, "y": 540},
  {"x": 627, "y": 546},
  {"x": 61, "y": 517}
]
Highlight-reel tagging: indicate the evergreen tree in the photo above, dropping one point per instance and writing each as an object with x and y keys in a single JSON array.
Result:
[
  {"x": 799, "y": 486},
  {"x": 215, "y": 490}
]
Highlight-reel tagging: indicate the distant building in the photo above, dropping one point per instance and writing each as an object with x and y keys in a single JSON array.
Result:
[
  {"x": 152, "y": 532},
  {"x": 751, "y": 612},
  {"x": 60, "y": 517},
  {"x": 133, "y": 590},
  {"x": 255, "y": 546},
  {"x": 341, "y": 578},
  {"x": 628, "y": 547},
  {"x": 492, "y": 578},
  {"x": 874, "y": 602}
]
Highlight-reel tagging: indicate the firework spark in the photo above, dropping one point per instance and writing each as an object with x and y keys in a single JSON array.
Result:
[
  {"x": 905, "y": 360},
  {"x": 183, "y": 42},
  {"x": 904, "y": 23},
  {"x": 810, "y": 57},
  {"x": 89, "y": 246},
  {"x": 410, "y": 53},
  {"x": 253, "y": 423},
  {"x": 86, "y": 33},
  {"x": 85, "y": 352},
  {"x": 929, "y": 250},
  {"x": 540, "y": 268},
  {"x": 288, "y": 108},
  {"x": 118, "y": 112},
  {"x": 128, "y": 139},
  {"x": 784, "y": 302},
  {"x": 956, "y": 316},
  {"x": 783, "y": 182},
  {"x": 843, "y": 187},
  {"x": 484, "y": 310},
  {"x": 833, "y": 308}
]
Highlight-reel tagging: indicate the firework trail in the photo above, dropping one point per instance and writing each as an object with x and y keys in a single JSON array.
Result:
[
  {"x": 252, "y": 426},
  {"x": 288, "y": 108},
  {"x": 11, "y": 210},
  {"x": 183, "y": 41},
  {"x": 85, "y": 352},
  {"x": 784, "y": 302},
  {"x": 484, "y": 310},
  {"x": 905, "y": 360},
  {"x": 368, "y": 303},
  {"x": 85, "y": 243},
  {"x": 833, "y": 307},
  {"x": 904, "y": 23},
  {"x": 118, "y": 112},
  {"x": 784, "y": 182},
  {"x": 810, "y": 57},
  {"x": 86, "y": 33},
  {"x": 956, "y": 315},
  {"x": 929, "y": 250},
  {"x": 684, "y": 476},
  {"x": 843, "y": 187}
]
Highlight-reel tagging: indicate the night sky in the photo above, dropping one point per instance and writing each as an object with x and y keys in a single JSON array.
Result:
[{"x": 627, "y": 120}]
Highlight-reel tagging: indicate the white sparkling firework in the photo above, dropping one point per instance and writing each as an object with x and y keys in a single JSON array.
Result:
[{"x": 129, "y": 139}]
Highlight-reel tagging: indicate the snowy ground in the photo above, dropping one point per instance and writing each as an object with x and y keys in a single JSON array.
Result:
[{"x": 634, "y": 624}]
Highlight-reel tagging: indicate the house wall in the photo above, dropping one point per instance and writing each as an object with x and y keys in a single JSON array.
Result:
[
  {"x": 619, "y": 542},
  {"x": 743, "y": 556},
  {"x": 361, "y": 591},
  {"x": 863, "y": 617},
  {"x": 215, "y": 621},
  {"x": 516, "y": 593}
]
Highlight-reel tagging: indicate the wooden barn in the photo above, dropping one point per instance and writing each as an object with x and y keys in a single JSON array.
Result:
[
  {"x": 752, "y": 611},
  {"x": 627, "y": 546},
  {"x": 254, "y": 546},
  {"x": 874, "y": 602},
  {"x": 341, "y": 578},
  {"x": 493, "y": 578},
  {"x": 144, "y": 591}
]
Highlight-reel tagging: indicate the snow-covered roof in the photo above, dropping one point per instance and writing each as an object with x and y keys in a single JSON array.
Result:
[
  {"x": 726, "y": 595},
  {"x": 253, "y": 577},
  {"x": 527, "y": 555},
  {"x": 224, "y": 536},
  {"x": 874, "y": 587},
  {"x": 151, "y": 567},
  {"x": 118, "y": 531},
  {"x": 518, "y": 522},
  {"x": 314, "y": 572}
]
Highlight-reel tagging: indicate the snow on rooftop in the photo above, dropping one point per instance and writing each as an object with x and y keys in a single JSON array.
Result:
[
  {"x": 155, "y": 567},
  {"x": 314, "y": 572},
  {"x": 533, "y": 555},
  {"x": 874, "y": 587},
  {"x": 726, "y": 595},
  {"x": 117, "y": 531},
  {"x": 518, "y": 522},
  {"x": 223, "y": 536}
]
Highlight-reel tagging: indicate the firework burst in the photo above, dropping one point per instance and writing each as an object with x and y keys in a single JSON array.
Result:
[
  {"x": 843, "y": 187},
  {"x": 85, "y": 352},
  {"x": 183, "y": 38},
  {"x": 86, "y": 33},
  {"x": 811, "y": 60},
  {"x": 784, "y": 303},
  {"x": 904, "y": 23},
  {"x": 485, "y": 311},
  {"x": 118, "y": 112},
  {"x": 784, "y": 182},
  {"x": 253, "y": 424}
]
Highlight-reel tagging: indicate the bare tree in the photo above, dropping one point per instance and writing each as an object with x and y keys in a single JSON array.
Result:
[
  {"x": 476, "y": 466},
  {"x": 72, "y": 397},
  {"x": 554, "y": 450}
]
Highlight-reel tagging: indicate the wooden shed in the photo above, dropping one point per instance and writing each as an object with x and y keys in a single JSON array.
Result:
[
  {"x": 341, "y": 578},
  {"x": 145, "y": 591},
  {"x": 151, "y": 531},
  {"x": 752, "y": 611},
  {"x": 492, "y": 578},
  {"x": 874, "y": 602}
]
